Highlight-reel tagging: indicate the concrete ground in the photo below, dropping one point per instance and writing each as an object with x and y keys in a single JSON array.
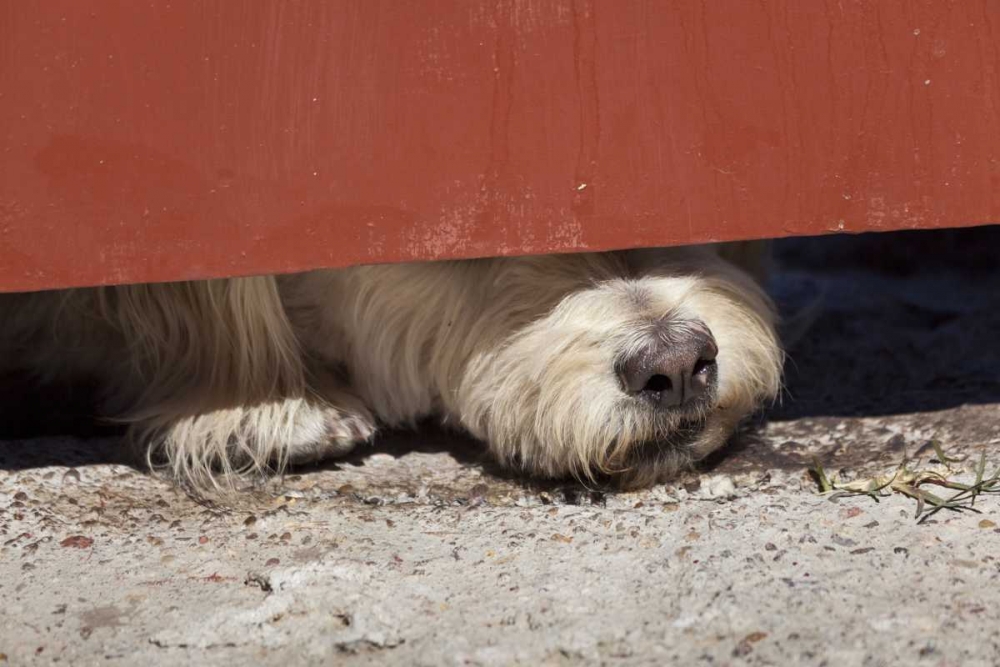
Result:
[{"x": 416, "y": 552}]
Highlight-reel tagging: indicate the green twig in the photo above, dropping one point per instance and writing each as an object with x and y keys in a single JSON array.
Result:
[{"x": 908, "y": 482}]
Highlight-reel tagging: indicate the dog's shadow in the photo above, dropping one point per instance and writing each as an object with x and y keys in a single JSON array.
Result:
[
  {"x": 427, "y": 438},
  {"x": 466, "y": 452}
]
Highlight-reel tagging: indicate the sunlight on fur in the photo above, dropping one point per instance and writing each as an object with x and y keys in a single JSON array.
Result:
[{"x": 225, "y": 380}]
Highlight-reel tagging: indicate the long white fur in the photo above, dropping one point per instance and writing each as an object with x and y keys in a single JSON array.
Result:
[{"x": 221, "y": 379}]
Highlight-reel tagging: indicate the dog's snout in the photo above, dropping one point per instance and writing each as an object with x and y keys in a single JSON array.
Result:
[{"x": 674, "y": 369}]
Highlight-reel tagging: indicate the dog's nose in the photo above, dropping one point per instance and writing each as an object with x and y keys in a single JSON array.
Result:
[{"x": 675, "y": 369}]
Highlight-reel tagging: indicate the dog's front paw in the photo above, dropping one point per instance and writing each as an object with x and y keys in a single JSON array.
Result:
[
  {"x": 211, "y": 450},
  {"x": 322, "y": 431}
]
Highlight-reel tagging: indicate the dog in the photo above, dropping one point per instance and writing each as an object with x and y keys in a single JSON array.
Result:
[{"x": 621, "y": 366}]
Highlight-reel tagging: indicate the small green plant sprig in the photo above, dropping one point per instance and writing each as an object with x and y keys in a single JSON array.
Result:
[{"x": 908, "y": 481}]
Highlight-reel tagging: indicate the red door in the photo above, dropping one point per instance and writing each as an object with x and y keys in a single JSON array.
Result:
[{"x": 155, "y": 140}]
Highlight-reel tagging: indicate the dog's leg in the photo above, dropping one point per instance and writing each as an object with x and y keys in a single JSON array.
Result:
[
  {"x": 227, "y": 386},
  {"x": 204, "y": 448},
  {"x": 208, "y": 375},
  {"x": 334, "y": 423}
]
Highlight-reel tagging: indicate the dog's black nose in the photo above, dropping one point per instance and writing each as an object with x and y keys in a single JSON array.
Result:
[{"x": 676, "y": 368}]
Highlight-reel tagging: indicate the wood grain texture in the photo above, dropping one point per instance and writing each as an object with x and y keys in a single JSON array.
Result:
[{"x": 154, "y": 140}]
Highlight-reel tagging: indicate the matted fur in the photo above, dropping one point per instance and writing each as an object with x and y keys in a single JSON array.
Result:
[{"x": 219, "y": 379}]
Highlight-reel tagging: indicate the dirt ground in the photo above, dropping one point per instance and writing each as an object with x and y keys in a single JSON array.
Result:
[{"x": 417, "y": 552}]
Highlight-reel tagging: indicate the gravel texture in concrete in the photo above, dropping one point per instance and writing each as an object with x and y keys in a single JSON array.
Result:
[{"x": 415, "y": 551}]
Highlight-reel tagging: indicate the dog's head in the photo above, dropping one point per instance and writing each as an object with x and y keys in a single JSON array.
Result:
[{"x": 632, "y": 375}]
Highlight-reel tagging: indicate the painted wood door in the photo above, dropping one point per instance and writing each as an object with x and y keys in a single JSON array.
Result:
[{"x": 163, "y": 140}]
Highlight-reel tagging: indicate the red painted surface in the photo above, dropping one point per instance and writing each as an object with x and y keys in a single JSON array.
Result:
[{"x": 153, "y": 140}]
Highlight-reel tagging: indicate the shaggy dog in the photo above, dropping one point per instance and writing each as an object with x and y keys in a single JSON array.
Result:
[{"x": 623, "y": 365}]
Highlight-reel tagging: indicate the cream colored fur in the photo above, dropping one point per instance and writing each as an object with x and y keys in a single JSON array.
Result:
[{"x": 220, "y": 379}]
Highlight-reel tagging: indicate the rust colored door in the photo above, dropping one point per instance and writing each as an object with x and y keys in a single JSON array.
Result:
[{"x": 148, "y": 141}]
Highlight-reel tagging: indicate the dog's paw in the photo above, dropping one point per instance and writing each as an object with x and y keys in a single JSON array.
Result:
[{"x": 322, "y": 431}]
